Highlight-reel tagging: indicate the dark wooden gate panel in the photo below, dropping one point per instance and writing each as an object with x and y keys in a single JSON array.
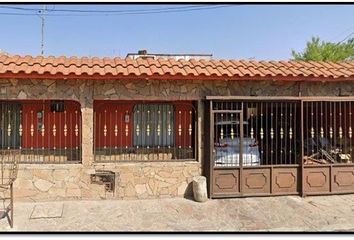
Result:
[
  {"x": 317, "y": 179},
  {"x": 328, "y": 179},
  {"x": 256, "y": 181},
  {"x": 226, "y": 181},
  {"x": 285, "y": 180},
  {"x": 343, "y": 179}
]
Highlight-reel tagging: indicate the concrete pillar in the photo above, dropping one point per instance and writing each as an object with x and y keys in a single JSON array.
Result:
[
  {"x": 86, "y": 100},
  {"x": 87, "y": 136}
]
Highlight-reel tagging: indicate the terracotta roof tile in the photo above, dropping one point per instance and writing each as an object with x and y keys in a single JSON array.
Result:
[
  {"x": 347, "y": 65},
  {"x": 196, "y": 63},
  {"x": 346, "y": 72},
  {"x": 56, "y": 67},
  {"x": 265, "y": 64},
  {"x": 211, "y": 71},
  {"x": 201, "y": 70},
  {"x": 205, "y": 63},
  {"x": 244, "y": 71},
  {"x": 2, "y": 58},
  {"x": 335, "y": 65}
]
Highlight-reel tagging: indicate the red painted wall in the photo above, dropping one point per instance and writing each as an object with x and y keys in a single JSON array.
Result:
[
  {"x": 184, "y": 119},
  {"x": 70, "y": 117},
  {"x": 111, "y": 113}
]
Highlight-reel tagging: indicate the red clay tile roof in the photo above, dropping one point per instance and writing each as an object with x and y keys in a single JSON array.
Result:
[{"x": 119, "y": 68}]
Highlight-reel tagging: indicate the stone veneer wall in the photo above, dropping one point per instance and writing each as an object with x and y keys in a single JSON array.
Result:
[
  {"x": 198, "y": 89},
  {"x": 133, "y": 180}
]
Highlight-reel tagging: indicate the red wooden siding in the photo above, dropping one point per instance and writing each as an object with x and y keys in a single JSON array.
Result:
[
  {"x": 184, "y": 121},
  {"x": 112, "y": 113},
  {"x": 71, "y": 117}
]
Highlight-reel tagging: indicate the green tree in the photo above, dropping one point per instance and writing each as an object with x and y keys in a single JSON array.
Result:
[{"x": 317, "y": 50}]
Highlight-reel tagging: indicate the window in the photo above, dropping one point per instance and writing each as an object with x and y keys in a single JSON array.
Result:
[
  {"x": 153, "y": 125},
  {"x": 144, "y": 131},
  {"x": 9, "y": 125},
  {"x": 32, "y": 132}
]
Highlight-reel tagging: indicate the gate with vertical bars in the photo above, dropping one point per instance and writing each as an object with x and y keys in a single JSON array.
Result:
[{"x": 280, "y": 146}]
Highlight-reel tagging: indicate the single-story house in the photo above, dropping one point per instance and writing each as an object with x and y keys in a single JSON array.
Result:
[{"x": 91, "y": 128}]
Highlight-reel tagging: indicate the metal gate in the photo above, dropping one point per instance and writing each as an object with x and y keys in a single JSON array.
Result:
[
  {"x": 328, "y": 146},
  {"x": 254, "y": 147},
  {"x": 280, "y": 146}
]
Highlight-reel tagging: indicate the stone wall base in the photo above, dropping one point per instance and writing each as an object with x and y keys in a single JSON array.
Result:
[{"x": 132, "y": 181}]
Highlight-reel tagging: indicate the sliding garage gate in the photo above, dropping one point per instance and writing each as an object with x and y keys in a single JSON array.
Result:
[
  {"x": 328, "y": 146},
  {"x": 279, "y": 146}
]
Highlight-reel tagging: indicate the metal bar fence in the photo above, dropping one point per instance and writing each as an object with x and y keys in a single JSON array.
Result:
[
  {"x": 328, "y": 132},
  {"x": 45, "y": 131},
  {"x": 270, "y": 133},
  {"x": 144, "y": 131}
]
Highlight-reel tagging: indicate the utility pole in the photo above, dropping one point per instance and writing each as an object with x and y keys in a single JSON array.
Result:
[{"x": 42, "y": 12}]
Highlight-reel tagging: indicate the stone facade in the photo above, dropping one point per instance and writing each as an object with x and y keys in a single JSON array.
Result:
[
  {"x": 85, "y": 91},
  {"x": 198, "y": 89},
  {"x": 133, "y": 180}
]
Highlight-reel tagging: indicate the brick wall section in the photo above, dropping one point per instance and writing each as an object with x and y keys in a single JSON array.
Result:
[{"x": 134, "y": 180}]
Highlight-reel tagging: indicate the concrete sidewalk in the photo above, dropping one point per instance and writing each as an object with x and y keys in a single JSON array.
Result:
[{"x": 291, "y": 213}]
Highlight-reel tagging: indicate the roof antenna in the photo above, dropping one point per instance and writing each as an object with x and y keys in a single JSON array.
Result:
[{"x": 42, "y": 12}]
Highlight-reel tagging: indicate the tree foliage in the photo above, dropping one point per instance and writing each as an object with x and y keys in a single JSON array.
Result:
[{"x": 317, "y": 50}]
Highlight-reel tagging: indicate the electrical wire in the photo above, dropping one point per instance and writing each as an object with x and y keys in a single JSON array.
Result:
[
  {"x": 350, "y": 34},
  {"x": 124, "y": 12},
  {"x": 345, "y": 31},
  {"x": 102, "y": 11}
]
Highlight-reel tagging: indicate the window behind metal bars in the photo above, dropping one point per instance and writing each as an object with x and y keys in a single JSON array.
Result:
[
  {"x": 144, "y": 131},
  {"x": 154, "y": 125},
  {"x": 10, "y": 121},
  {"x": 33, "y": 132}
]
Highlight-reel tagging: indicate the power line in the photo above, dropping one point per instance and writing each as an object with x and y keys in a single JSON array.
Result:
[
  {"x": 128, "y": 12},
  {"x": 346, "y": 37},
  {"x": 111, "y": 14},
  {"x": 345, "y": 31},
  {"x": 103, "y": 11}
]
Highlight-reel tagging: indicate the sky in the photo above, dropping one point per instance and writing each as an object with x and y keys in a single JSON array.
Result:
[{"x": 260, "y": 32}]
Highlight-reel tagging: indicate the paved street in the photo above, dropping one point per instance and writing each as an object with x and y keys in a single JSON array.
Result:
[{"x": 292, "y": 213}]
